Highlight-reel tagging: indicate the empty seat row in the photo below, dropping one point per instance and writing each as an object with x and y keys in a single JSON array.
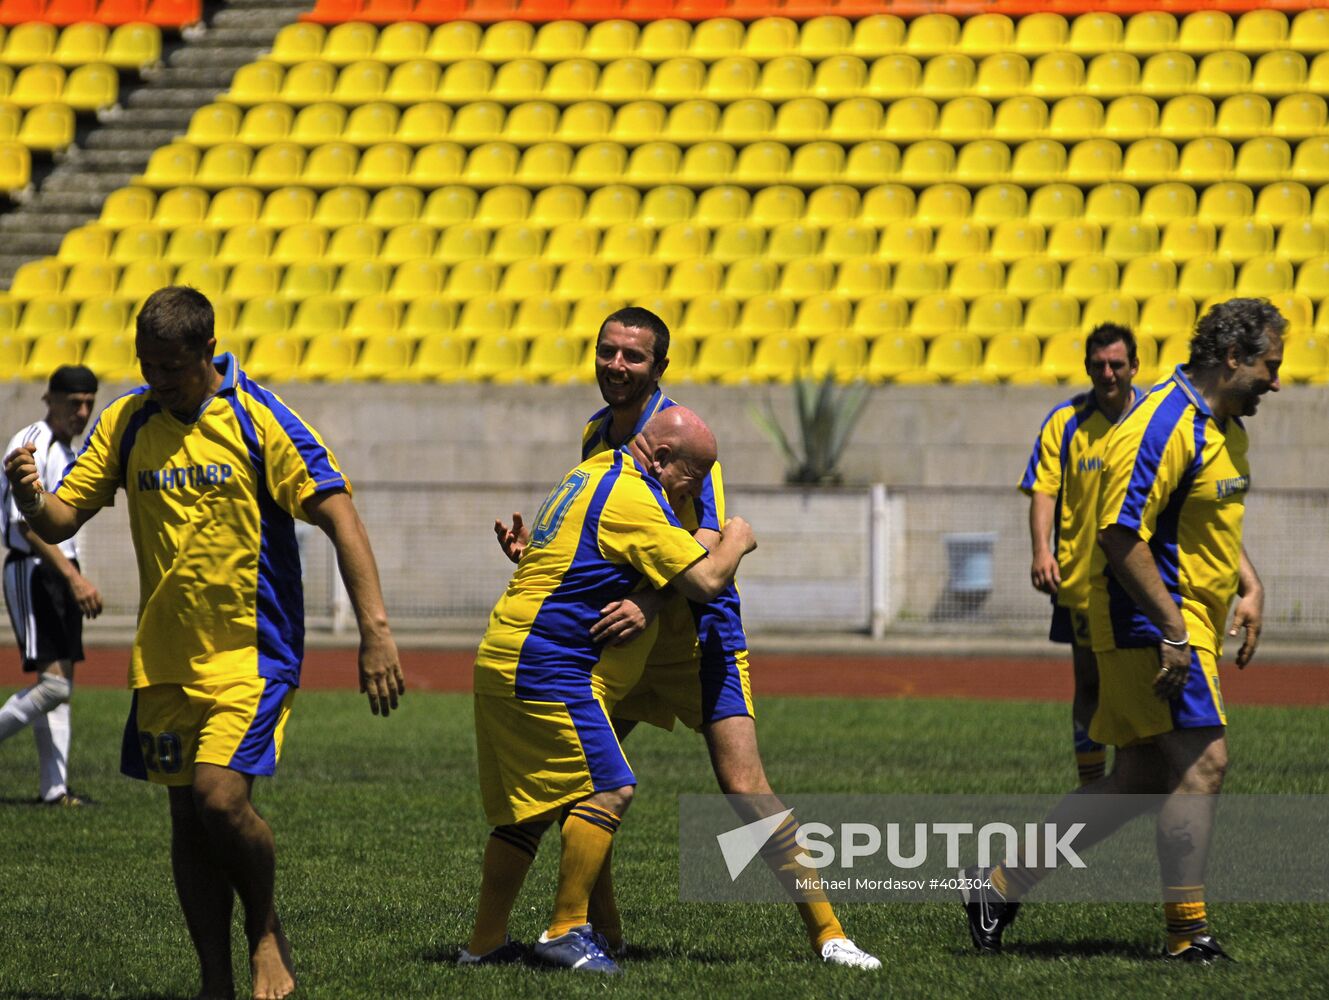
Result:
[
  {"x": 613, "y": 205},
  {"x": 169, "y": 14},
  {"x": 865, "y": 164},
  {"x": 90, "y": 87},
  {"x": 128, "y": 47},
  {"x": 802, "y": 120},
  {"x": 1146, "y": 33},
  {"x": 1056, "y": 75}
]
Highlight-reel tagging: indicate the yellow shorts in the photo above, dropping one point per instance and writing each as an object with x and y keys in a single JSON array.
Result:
[
  {"x": 236, "y": 723},
  {"x": 1129, "y": 711},
  {"x": 690, "y": 693},
  {"x": 536, "y": 756}
]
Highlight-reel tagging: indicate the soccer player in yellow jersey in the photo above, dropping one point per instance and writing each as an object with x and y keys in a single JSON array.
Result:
[
  {"x": 1061, "y": 482},
  {"x": 1170, "y": 561},
  {"x": 544, "y": 687},
  {"x": 697, "y": 671},
  {"x": 215, "y": 468}
]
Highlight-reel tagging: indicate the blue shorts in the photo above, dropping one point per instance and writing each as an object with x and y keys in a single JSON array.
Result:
[
  {"x": 691, "y": 692},
  {"x": 1070, "y": 625}
]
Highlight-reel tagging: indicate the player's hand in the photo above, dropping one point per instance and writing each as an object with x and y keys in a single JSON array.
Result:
[
  {"x": 737, "y": 527},
  {"x": 1173, "y": 669},
  {"x": 86, "y": 596},
  {"x": 380, "y": 671},
  {"x": 624, "y": 620},
  {"x": 1249, "y": 615},
  {"x": 1045, "y": 573},
  {"x": 512, "y": 541},
  {"x": 21, "y": 470}
]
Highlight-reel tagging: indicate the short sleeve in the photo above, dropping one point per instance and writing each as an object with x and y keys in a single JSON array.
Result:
[
  {"x": 90, "y": 483},
  {"x": 297, "y": 462},
  {"x": 1143, "y": 465},
  {"x": 1043, "y": 473},
  {"x": 638, "y": 527}
]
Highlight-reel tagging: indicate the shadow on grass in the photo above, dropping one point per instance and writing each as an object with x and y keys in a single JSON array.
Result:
[
  {"x": 29, "y": 995},
  {"x": 1061, "y": 950},
  {"x": 447, "y": 955}
]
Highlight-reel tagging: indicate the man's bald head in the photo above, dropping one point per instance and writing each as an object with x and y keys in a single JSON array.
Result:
[{"x": 678, "y": 449}]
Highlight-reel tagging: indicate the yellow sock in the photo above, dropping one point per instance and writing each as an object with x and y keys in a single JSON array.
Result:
[
  {"x": 603, "y": 909},
  {"x": 818, "y": 916},
  {"x": 1183, "y": 908},
  {"x": 1092, "y": 765},
  {"x": 1012, "y": 883},
  {"x": 508, "y": 857},
  {"x": 588, "y": 835}
]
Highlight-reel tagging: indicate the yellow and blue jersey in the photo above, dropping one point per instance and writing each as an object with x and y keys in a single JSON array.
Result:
[
  {"x": 1177, "y": 477},
  {"x": 211, "y": 508},
  {"x": 714, "y": 631},
  {"x": 1065, "y": 465},
  {"x": 605, "y": 529}
]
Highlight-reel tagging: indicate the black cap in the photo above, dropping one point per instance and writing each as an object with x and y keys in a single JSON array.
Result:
[{"x": 72, "y": 378}]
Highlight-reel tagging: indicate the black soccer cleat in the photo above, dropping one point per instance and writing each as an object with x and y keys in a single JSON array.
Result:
[
  {"x": 988, "y": 911},
  {"x": 1202, "y": 950}
]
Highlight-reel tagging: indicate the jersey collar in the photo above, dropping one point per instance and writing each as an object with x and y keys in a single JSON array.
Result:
[
  {"x": 225, "y": 363},
  {"x": 1196, "y": 399},
  {"x": 654, "y": 405}
]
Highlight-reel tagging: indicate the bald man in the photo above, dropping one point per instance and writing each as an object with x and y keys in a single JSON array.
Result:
[{"x": 544, "y": 688}]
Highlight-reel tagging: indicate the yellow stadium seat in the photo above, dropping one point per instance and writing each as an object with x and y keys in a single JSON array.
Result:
[
  {"x": 882, "y": 313},
  {"x": 1297, "y": 309},
  {"x": 1187, "y": 238},
  {"x": 539, "y": 317},
  {"x": 827, "y": 35},
  {"x": 916, "y": 277},
  {"x": 977, "y": 275},
  {"x": 1033, "y": 276},
  {"x": 353, "y": 242},
  {"x": 903, "y": 240},
  {"x": 50, "y": 351},
  {"x": 964, "y": 118},
  {"x": 1168, "y": 202},
  {"x": 1010, "y": 354},
  {"x": 721, "y": 358},
  {"x": 749, "y": 276},
  {"x": 762, "y": 162},
  {"x": 703, "y": 164},
  {"x": 1109, "y": 307},
  {"x": 46, "y": 315},
  {"x": 953, "y": 354},
  {"x": 893, "y": 77},
  {"x": 29, "y": 42},
  {"x": 841, "y": 355},
  {"x": 374, "y": 122},
  {"x": 1260, "y": 29},
  {"x": 530, "y": 276},
  {"x": 1149, "y": 31},
  {"x": 778, "y": 358},
  {"x": 1075, "y": 118},
  {"x": 100, "y": 316},
  {"x": 716, "y": 38},
  {"x": 1310, "y": 30},
  {"x": 573, "y": 79},
  {"x": 985, "y": 161},
  {"x": 707, "y": 314},
  {"x": 619, "y": 203},
  {"x": 497, "y": 357},
  {"x": 1207, "y": 276},
  {"x": 213, "y": 124},
  {"x": 478, "y": 121},
  {"x": 284, "y": 207},
  {"x": 1149, "y": 160},
  {"x": 1312, "y": 280},
  {"x": 557, "y": 358},
  {"x": 911, "y": 118},
  {"x": 737, "y": 76},
  {"x": 544, "y": 163},
  {"x": 260, "y": 81},
  {"x": 1299, "y": 115},
  {"x": 606, "y": 40},
  {"x": 396, "y": 205},
  {"x": 1244, "y": 115},
  {"x": 305, "y": 83},
  {"x": 664, "y": 39},
  {"x": 318, "y": 123},
  {"x": 878, "y": 34},
  {"x": 467, "y": 80},
  {"x": 1264, "y": 277},
  {"x": 176, "y": 207},
  {"x": 831, "y": 204},
  {"x": 130, "y": 205},
  {"x": 208, "y": 276},
  {"x": 1051, "y": 203},
  {"x": 893, "y": 354},
  {"x": 1167, "y": 73},
  {"x": 847, "y": 240},
  {"x": 777, "y": 204},
  {"x": 886, "y": 203},
  {"x": 1069, "y": 239},
  {"x": 1302, "y": 240},
  {"x": 531, "y": 121},
  {"x": 580, "y": 278},
  {"x": 790, "y": 240},
  {"x": 143, "y": 241},
  {"x": 305, "y": 278},
  {"x": 1305, "y": 357},
  {"x": 263, "y": 123},
  {"x": 839, "y": 78},
  {"x": 1223, "y": 72},
  {"x": 1089, "y": 275},
  {"x": 1020, "y": 118},
  {"x": 1130, "y": 117},
  {"x": 985, "y": 33},
  {"x": 1173, "y": 351},
  {"x": 449, "y": 205},
  {"x": 940, "y": 203},
  {"x": 385, "y": 358},
  {"x": 1167, "y": 314},
  {"x": 1051, "y": 313},
  {"x": 770, "y": 36},
  {"x": 556, "y": 40},
  {"x": 1205, "y": 31},
  {"x": 1100, "y": 31},
  {"x": 1039, "y": 161},
  {"x": 251, "y": 278},
  {"x": 949, "y": 75},
  {"x": 225, "y": 165},
  {"x": 1001, "y": 75},
  {"x": 1063, "y": 355},
  {"x": 501, "y": 205},
  {"x": 348, "y": 42},
  {"x": 91, "y": 279},
  {"x": 1112, "y": 74},
  {"x": 429, "y": 315},
  {"x": 931, "y": 33},
  {"x": 623, "y": 241},
  {"x": 263, "y": 315},
  {"x": 858, "y": 277},
  {"x": 506, "y": 40},
  {"x": 1310, "y": 163},
  {"x": 33, "y": 278},
  {"x": 402, "y": 42},
  {"x": 631, "y": 79},
  {"x": 373, "y": 316},
  {"x": 1245, "y": 238},
  {"x": 959, "y": 238},
  {"x": 823, "y": 314},
  {"x": 273, "y": 166},
  {"x": 1206, "y": 160},
  {"x": 1056, "y": 74},
  {"x": 807, "y": 276},
  {"x": 716, "y": 206},
  {"x": 112, "y": 356},
  {"x": 994, "y": 313},
  {"x": 409, "y": 241},
  {"x": 576, "y": 240},
  {"x": 170, "y": 165},
  {"x": 765, "y": 316},
  {"x": 585, "y": 121},
  {"x": 441, "y": 357},
  {"x": 683, "y": 240},
  {"x": 1112, "y": 202},
  {"x": 41, "y": 83},
  {"x": 275, "y": 357},
  {"x": 417, "y": 277},
  {"x": 1144, "y": 277},
  {"x": 359, "y": 83},
  {"x": 868, "y": 162},
  {"x": 1014, "y": 239},
  {"x": 599, "y": 163},
  {"x": 818, "y": 164},
  {"x": 90, "y": 242},
  {"x": 11, "y": 118},
  {"x": 491, "y": 163},
  {"x": 363, "y": 278},
  {"x": 1094, "y": 162},
  {"x": 737, "y": 240}
]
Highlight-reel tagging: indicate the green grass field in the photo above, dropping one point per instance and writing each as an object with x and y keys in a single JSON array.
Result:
[{"x": 379, "y": 836}]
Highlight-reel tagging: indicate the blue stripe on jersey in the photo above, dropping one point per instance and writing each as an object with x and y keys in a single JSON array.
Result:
[
  {"x": 557, "y": 657},
  {"x": 136, "y": 422},
  {"x": 1031, "y": 470},
  {"x": 257, "y": 752},
  {"x": 604, "y": 755},
  {"x": 279, "y": 602},
  {"x": 315, "y": 456},
  {"x": 705, "y": 506},
  {"x": 1150, "y": 455}
]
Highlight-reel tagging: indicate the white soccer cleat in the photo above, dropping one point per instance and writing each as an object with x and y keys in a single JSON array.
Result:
[{"x": 842, "y": 951}]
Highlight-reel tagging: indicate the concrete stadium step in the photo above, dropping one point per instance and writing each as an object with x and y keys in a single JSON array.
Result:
[
  {"x": 126, "y": 139},
  {"x": 189, "y": 78},
  {"x": 148, "y": 118},
  {"x": 231, "y": 57},
  {"x": 56, "y": 221}
]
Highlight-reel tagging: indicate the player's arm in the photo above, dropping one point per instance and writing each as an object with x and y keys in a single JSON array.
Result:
[
  {"x": 49, "y": 517},
  {"x": 380, "y": 671},
  {"x": 1249, "y": 614},
  {"x": 1044, "y": 571},
  {"x": 88, "y": 598},
  {"x": 707, "y": 578},
  {"x": 622, "y": 621},
  {"x": 1133, "y": 566}
]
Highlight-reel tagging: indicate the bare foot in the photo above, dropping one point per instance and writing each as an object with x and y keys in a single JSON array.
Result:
[{"x": 271, "y": 968}]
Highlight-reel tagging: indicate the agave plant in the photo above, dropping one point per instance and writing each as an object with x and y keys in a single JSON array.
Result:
[{"x": 827, "y": 414}]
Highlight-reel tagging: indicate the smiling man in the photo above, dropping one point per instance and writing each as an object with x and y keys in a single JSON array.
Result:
[
  {"x": 215, "y": 469},
  {"x": 1170, "y": 560},
  {"x": 45, "y": 590},
  {"x": 1061, "y": 482}
]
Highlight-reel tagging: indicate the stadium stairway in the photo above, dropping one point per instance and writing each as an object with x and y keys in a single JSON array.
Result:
[{"x": 194, "y": 73}]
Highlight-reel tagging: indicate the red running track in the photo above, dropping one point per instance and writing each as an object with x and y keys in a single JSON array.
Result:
[{"x": 1000, "y": 678}]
